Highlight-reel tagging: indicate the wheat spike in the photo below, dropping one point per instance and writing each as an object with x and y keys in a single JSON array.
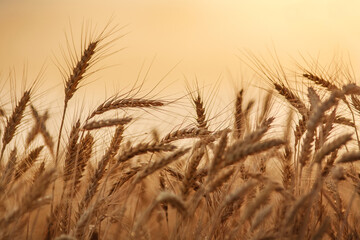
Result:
[{"x": 14, "y": 120}]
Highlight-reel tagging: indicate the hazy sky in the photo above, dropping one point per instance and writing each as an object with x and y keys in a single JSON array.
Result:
[{"x": 206, "y": 37}]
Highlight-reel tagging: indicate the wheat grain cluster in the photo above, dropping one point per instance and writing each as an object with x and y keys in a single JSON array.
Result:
[{"x": 261, "y": 177}]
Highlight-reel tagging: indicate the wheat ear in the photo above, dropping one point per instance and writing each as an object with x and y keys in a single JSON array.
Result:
[
  {"x": 14, "y": 120},
  {"x": 71, "y": 84}
]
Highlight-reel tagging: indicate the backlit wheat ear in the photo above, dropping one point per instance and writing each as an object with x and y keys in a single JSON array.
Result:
[
  {"x": 254, "y": 136},
  {"x": 351, "y": 88},
  {"x": 82, "y": 223},
  {"x": 120, "y": 103},
  {"x": 344, "y": 121},
  {"x": 125, "y": 177},
  {"x": 320, "y": 81},
  {"x": 236, "y": 181},
  {"x": 314, "y": 98},
  {"x": 266, "y": 108},
  {"x": 71, "y": 152},
  {"x": 349, "y": 157},
  {"x": 84, "y": 155},
  {"x": 259, "y": 200},
  {"x": 14, "y": 120},
  {"x": 200, "y": 112},
  {"x": 294, "y": 100},
  {"x": 156, "y": 165},
  {"x": 77, "y": 71},
  {"x": 196, "y": 156},
  {"x": 238, "y": 116},
  {"x": 72, "y": 83},
  {"x": 332, "y": 146},
  {"x": 213, "y": 184},
  {"x": 239, "y": 153},
  {"x": 163, "y": 197},
  {"x": 106, "y": 123},
  {"x": 27, "y": 162},
  {"x": 144, "y": 148},
  {"x": 185, "y": 133},
  {"x": 218, "y": 155},
  {"x": 312, "y": 123},
  {"x": 261, "y": 216},
  {"x": 236, "y": 196},
  {"x": 355, "y": 102},
  {"x": 39, "y": 171},
  {"x": 100, "y": 171}
]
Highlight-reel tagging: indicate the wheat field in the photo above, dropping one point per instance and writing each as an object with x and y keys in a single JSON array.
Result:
[{"x": 262, "y": 176}]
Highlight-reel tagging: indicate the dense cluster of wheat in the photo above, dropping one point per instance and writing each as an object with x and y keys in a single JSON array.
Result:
[{"x": 241, "y": 182}]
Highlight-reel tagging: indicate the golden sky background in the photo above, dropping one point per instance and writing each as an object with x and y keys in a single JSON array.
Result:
[{"x": 206, "y": 38}]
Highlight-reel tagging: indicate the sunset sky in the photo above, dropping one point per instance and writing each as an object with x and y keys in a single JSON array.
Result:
[{"x": 205, "y": 38}]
